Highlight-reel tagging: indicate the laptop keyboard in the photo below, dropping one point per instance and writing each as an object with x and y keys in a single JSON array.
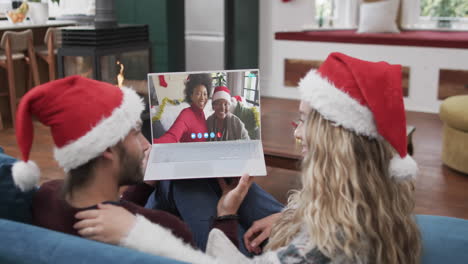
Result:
[{"x": 208, "y": 151}]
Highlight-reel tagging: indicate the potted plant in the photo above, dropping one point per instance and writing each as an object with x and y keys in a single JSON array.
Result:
[{"x": 38, "y": 11}]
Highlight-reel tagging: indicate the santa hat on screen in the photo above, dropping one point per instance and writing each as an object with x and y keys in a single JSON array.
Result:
[
  {"x": 221, "y": 92},
  {"x": 85, "y": 117},
  {"x": 364, "y": 97}
]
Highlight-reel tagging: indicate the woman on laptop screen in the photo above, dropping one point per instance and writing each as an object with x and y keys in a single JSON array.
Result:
[{"x": 192, "y": 119}]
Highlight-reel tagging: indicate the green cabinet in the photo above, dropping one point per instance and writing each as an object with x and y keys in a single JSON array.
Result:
[
  {"x": 165, "y": 19},
  {"x": 166, "y": 22},
  {"x": 242, "y": 38}
]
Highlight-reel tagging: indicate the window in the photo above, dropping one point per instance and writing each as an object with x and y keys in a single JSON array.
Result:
[
  {"x": 444, "y": 12},
  {"x": 250, "y": 91},
  {"x": 341, "y": 14},
  {"x": 433, "y": 14},
  {"x": 444, "y": 8},
  {"x": 324, "y": 13},
  {"x": 219, "y": 79},
  {"x": 71, "y": 7}
]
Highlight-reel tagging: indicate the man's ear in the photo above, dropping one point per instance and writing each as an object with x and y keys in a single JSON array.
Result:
[{"x": 110, "y": 153}]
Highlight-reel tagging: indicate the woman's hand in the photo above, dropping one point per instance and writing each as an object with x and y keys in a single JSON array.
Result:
[
  {"x": 259, "y": 232},
  {"x": 233, "y": 194},
  {"x": 108, "y": 224}
]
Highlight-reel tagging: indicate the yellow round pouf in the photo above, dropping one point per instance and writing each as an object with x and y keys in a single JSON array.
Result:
[{"x": 454, "y": 114}]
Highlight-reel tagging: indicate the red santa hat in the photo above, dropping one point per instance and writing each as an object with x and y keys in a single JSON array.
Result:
[
  {"x": 221, "y": 92},
  {"x": 364, "y": 97},
  {"x": 85, "y": 117}
]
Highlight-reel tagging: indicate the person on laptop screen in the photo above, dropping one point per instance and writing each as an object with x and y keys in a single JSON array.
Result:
[
  {"x": 222, "y": 123},
  {"x": 192, "y": 119}
]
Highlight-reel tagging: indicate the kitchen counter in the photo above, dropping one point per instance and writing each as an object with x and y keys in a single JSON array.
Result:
[{"x": 6, "y": 25}]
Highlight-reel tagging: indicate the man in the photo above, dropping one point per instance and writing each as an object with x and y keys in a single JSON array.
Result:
[{"x": 98, "y": 142}]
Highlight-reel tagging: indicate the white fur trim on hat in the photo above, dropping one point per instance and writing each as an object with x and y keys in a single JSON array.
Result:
[
  {"x": 222, "y": 95},
  {"x": 155, "y": 239},
  {"x": 219, "y": 246},
  {"x": 108, "y": 132},
  {"x": 403, "y": 168},
  {"x": 25, "y": 175},
  {"x": 337, "y": 106}
]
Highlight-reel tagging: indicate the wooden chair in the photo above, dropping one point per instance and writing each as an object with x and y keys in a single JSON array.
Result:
[
  {"x": 17, "y": 46},
  {"x": 49, "y": 52}
]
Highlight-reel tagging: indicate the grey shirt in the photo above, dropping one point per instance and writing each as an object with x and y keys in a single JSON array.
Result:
[{"x": 234, "y": 129}]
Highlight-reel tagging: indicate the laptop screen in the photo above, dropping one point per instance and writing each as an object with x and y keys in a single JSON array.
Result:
[{"x": 204, "y": 106}]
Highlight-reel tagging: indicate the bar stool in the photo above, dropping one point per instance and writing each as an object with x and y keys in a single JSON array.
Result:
[
  {"x": 48, "y": 52},
  {"x": 17, "y": 46}
]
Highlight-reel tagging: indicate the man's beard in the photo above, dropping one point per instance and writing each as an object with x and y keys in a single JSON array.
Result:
[{"x": 130, "y": 168}]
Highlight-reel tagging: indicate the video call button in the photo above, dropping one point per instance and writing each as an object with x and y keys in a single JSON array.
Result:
[{"x": 205, "y": 135}]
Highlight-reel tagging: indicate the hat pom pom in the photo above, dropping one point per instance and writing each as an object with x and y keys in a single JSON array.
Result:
[
  {"x": 25, "y": 175},
  {"x": 403, "y": 168}
]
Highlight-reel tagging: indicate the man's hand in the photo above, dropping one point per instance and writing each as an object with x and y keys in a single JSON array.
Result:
[
  {"x": 259, "y": 232},
  {"x": 233, "y": 194},
  {"x": 144, "y": 161},
  {"x": 108, "y": 224}
]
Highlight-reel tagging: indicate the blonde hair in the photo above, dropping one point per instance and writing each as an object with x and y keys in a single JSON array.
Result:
[{"x": 349, "y": 204}]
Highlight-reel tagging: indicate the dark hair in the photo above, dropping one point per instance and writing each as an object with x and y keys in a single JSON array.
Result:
[
  {"x": 78, "y": 177},
  {"x": 82, "y": 175},
  {"x": 195, "y": 80}
]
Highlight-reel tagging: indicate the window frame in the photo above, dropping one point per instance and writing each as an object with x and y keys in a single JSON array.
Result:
[{"x": 256, "y": 91}]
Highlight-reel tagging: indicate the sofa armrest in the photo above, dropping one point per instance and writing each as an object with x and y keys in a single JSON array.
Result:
[
  {"x": 445, "y": 239},
  {"x": 14, "y": 204},
  {"x": 22, "y": 243}
]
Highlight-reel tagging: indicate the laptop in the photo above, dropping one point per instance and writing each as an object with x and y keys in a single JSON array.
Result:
[{"x": 200, "y": 132}]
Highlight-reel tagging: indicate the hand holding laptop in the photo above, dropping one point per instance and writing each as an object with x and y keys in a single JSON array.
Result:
[
  {"x": 233, "y": 194},
  {"x": 144, "y": 163}
]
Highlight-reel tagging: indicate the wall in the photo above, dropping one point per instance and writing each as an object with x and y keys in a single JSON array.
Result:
[
  {"x": 175, "y": 86},
  {"x": 278, "y": 16},
  {"x": 424, "y": 62}
]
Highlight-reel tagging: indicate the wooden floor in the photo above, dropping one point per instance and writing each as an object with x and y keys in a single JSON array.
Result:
[{"x": 439, "y": 190}]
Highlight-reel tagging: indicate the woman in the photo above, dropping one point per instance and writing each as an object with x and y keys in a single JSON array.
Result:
[
  {"x": 191, "y": 119},
  {"x": 223, "y": 124},
  {"x": 356, "y": 202}
]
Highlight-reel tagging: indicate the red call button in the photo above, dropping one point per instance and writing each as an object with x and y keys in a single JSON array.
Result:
[{"x": 218, "y": 134}]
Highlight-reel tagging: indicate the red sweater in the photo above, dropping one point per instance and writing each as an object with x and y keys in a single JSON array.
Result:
[
  {"x": 51, "y": 211},
  {"x": 190, "y": 120}
]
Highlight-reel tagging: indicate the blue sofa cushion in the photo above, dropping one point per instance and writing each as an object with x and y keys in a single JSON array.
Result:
[
  {"x": 14, "y": 204},
  {"x": 22, "y": 243},
  {"x": 445, "y": 239}
]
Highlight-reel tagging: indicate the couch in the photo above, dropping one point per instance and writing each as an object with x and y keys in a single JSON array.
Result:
[
  {"x": 445, "y": 239},
  {"x": 21, "y": 242}
]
